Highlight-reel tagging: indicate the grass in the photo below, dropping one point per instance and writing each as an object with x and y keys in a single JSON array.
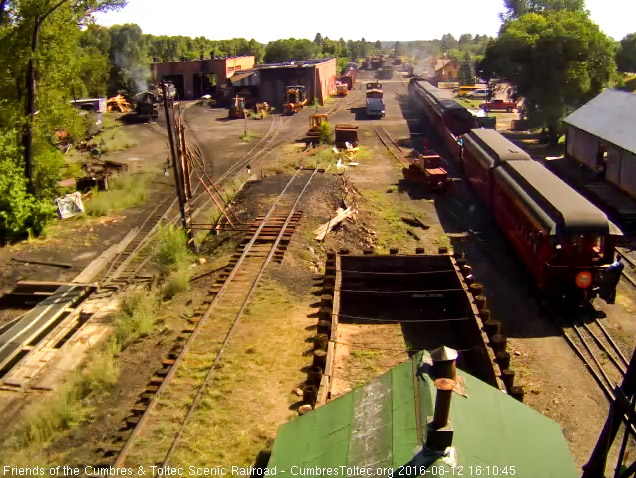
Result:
[
  {"x": 176, "y": 282},
  {"x": 74, "y": 401},
  {"x": 249, "y": 396},
  {"x": 247, "y": 136},
  {"x": 171, "y": 249},
  {"x": 136, "y": 320},
  {"x": 173, "y": 257},
  {"x": 114, "y": 137},
  {"x": 124, "y": 191}
]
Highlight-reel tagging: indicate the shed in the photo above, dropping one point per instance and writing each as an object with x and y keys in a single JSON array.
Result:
[
  {"x": 600, "y": 135},
  {"x": 375, "y": 428}
]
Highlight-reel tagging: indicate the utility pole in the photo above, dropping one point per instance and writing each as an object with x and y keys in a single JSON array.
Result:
[{"x": 174, "y": 154}]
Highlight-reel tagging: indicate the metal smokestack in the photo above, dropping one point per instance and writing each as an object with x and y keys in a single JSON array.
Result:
[
  {"x": 444, "y": 362},
  {"x": 444, "y": 388}
]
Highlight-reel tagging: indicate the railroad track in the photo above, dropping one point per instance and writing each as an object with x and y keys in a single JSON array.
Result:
[
  {"x": 200, "y": 349},
  {"x": 391, "y": 145},
  {"x": 629, "y": 272},
  {"x": 597, "y": 349}
]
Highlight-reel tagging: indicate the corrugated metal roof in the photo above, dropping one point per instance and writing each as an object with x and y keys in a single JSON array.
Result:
[
  {"x": 375, "y": 426},
  {"x": 610, "y": 116}
]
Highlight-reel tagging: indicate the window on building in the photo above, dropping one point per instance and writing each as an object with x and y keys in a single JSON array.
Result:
[
  {"x": 237, "y": 67},
  {"x": 230, "y": 69}
]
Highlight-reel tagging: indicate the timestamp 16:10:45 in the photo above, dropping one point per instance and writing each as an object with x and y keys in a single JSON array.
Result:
[{"x": 460, "y": 470}]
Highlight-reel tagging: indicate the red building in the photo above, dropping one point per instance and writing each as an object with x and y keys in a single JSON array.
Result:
[{"x": 192, "y": 78}]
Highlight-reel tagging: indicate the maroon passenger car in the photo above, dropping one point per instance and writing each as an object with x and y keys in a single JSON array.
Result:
[{"x": 563, "y": 240}]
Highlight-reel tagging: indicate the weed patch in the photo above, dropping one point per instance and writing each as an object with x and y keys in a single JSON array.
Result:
[
  {"x": 136, "y": 320},
  {"x": 171, "y": 250},
  {"x": 124, "y": 191}
]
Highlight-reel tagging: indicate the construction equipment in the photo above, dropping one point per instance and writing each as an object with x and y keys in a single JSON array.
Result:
[
  {"x": 237, "y": 109},
  {"x": 262, "y": 109},
  {"x": 313, "y": 133},
  {"x": 118, "y": 104},
  {"x": 427, "y": 169},
  {"x": 342, "y": 89},
  {"x": 295, "y": 99}
]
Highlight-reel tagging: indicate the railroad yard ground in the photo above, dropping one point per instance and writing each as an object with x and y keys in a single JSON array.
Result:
[{"x": 257, "y": 384}]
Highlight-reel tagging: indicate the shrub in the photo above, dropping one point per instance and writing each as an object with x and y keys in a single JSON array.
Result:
[
  {"x": 21, "y": 213},
  {"x": 171, "y": 250},
  {"x": 325, "y": 135},
  {"x": 177, "y": 281},
  {"x": 136, "y": 320}
]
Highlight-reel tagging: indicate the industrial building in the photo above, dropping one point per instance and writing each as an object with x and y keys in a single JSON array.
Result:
[
  {"x": 416, "y": 420},
  {"x": 192, "y": 78},
  {"x": 317, "y": 76},
  {"x": 600, "y": 135}
]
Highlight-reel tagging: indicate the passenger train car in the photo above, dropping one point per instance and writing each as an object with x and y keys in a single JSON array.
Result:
[
  {"x": 446, "y": 116},
  {"x": 563, "y": 240}
]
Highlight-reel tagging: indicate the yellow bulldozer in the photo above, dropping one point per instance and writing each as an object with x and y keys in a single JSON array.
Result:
[
  {"x": 313, "y": 133},
  {"x": 295, "y": 99}
]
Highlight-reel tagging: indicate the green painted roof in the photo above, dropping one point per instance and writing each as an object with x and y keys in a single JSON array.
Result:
[{"x": 374, "y": 427}]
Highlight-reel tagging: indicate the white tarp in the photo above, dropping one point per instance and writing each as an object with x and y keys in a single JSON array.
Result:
[{"x": 69, "y": 205}]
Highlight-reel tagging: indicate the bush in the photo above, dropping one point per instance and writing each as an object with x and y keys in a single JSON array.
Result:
[
  {"x": 136, "y": 320},
  {"x": 325, "y": 135},
  {"x": 171, "y": 250},
  {"x": 21, "y": 214},
  {"x": 177, "y": 281}
]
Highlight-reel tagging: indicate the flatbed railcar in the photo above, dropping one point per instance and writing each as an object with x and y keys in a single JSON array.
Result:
[{"x": 564, "y": 241}]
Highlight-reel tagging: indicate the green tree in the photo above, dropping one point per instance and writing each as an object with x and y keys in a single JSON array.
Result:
[
  {"x": 626, "y": 54},
  {"x": 378, "y": 45},
  {"x": 93, "y": 62},
  {"x": 517, "y": 8},
  {"x": 556, "y": 61},
  {"x": 397, "y": 49},
  {"x": 449, "y": 42},
  {"x": 318, "y": 39},
  {"x": 290, "y": 49},
  {"x": 129, "y": 59},
  {"x": 26, "y": 23},
  {"x": 465, "y": 74}
]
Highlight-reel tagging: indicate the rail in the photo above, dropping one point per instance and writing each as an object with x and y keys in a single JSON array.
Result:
[{"x": 250, "y": 260}]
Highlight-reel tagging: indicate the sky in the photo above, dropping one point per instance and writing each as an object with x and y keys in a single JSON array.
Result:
[{"x": 266, "y": 20}]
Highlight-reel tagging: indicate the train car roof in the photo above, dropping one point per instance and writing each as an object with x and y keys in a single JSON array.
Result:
[
  {"x": 553, "y": 202},
  {"x": 496, "y": 145}
]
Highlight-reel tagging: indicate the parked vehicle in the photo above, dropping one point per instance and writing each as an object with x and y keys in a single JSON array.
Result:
[
  {"x": 295, "y": 99},
  {"x": 464, "y": 90},
  {"x": 478, "y": 94},
  {"x": 375, "y": 107},
  {"x": 499, "y": 105}
]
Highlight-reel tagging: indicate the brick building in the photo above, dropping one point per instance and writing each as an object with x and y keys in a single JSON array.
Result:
[
  {"x": 317, "y": 76},
  {"x": 192, "y": 78}
]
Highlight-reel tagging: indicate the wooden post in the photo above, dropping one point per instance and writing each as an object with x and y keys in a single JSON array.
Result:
[{"x": 174, "y": 155}]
